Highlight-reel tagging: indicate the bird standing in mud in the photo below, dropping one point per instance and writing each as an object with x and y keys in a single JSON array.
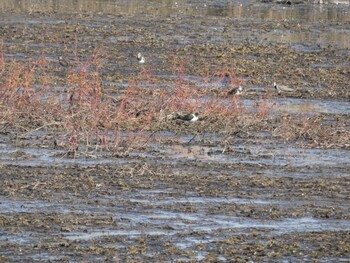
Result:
[
  {"x": 190, "y": 117},
  {"x": 235, "y": 91},
  {"x": 140, "y": 59},
  {"x": 63, "y": 62},
  {"x": 281, "y": 88}
]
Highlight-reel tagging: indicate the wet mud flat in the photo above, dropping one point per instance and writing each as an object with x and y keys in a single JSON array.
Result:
[
  {"x": 182, "y": 211},
  {"x": 260, "y": 200},
  {"x": 305, "y": 46},
  {"x": 271, "y": 187}
]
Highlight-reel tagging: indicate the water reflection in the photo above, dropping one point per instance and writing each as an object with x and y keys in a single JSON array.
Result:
[
  {"x": 238, "y": 9},
  {"x": 331, "y": 37},
  {"x": 324, "y": 24}
]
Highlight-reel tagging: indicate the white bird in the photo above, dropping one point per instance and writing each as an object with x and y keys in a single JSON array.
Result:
[
  {"x": 140, "y": 58},
  {"x": 281, "y": 88},
  {"x": 190, "y": 117}
]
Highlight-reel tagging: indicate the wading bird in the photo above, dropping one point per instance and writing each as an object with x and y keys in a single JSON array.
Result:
[
  {"x": 281, "y": 88},
  {"x": 189, "y": 117},
  {"x": 63, "y": 62},
  {"x": 235, "y": 91},
  {"x": 140, "y": 59}
]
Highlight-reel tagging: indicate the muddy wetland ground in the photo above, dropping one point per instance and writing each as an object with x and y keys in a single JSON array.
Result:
[{"x": 98, "y": 165}]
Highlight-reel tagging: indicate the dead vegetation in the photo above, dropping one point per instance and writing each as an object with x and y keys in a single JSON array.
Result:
[{"x": 89, "y": 114}]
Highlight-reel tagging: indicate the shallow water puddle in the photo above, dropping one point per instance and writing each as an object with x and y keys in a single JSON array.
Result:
[
  {"x": 47, "y": 157},
  {"x": 259, "y": 151},
  {"x": 169, "y": 223},
  {"x": 259, "y": 154},
  {"x": 203, "y": 224},
  {"x": 9, "y": 205},
  {"x": 200, "y": 200},
  {"x": 293, "y": 105},
  {"x": 289, "y": 105}
]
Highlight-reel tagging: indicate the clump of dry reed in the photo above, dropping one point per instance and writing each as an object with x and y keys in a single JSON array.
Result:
[{"x": 83, "y": 111}]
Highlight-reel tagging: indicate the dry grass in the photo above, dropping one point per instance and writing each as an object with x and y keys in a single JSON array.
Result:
[{"x": 86, "y": 114}]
